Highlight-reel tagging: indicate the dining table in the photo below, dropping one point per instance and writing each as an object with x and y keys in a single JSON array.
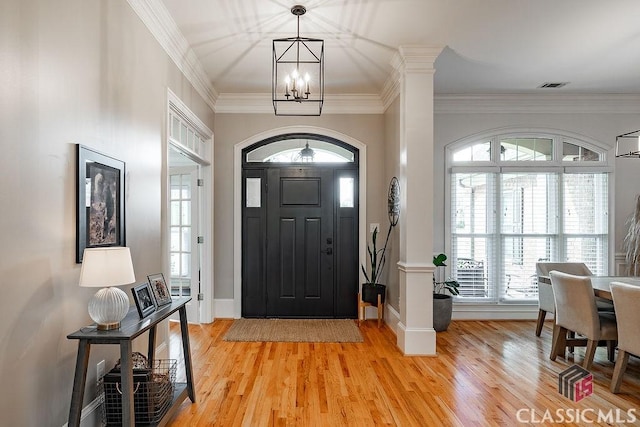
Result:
[{"x": 602, "y": 284}]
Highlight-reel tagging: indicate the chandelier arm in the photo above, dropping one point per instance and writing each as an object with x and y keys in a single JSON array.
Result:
[{"x": 311, "y": 52}]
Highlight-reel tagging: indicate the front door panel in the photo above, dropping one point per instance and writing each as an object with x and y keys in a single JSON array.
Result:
[{"x": 300, "y": 235}]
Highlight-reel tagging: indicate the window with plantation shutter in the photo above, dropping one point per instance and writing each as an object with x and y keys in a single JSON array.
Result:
[{"x": 516, "y": 200}]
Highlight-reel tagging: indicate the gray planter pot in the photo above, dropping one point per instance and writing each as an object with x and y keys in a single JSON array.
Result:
[{"x": 442, "y": 308}]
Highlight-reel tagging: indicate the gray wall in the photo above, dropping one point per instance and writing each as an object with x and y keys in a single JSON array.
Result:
[{"x": 71, "y": 71}]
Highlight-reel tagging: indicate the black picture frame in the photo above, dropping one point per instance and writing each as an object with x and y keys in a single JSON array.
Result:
[
  {"x": 100, "y": 220},
  {"x": 160, "y": 290},
  {"x": 143, "y": 297}
]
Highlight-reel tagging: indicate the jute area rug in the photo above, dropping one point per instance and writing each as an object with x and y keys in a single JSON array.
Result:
[{"x": 294, "y": 330}]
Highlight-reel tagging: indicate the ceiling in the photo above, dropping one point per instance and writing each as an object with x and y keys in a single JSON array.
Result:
[{"x": 489, "y": 46}]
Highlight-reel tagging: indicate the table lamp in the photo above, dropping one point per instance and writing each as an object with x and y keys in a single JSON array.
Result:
[{"x": 107, "y": 268}]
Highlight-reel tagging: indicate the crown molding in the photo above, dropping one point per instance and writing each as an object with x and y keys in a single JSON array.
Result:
[
  {"x": 538, "y": 103},
  {"x": 261, "y": 103},
  {"x": 390, "y": 89},
  {"x": 415, "y": 58},
  {"x": 158, "y": 20}
]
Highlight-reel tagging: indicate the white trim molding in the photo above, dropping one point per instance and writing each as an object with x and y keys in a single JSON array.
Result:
[
  {"x": 530, "y": 103},
  {"x": 260, "y": 103},
  {"x": 160, "y": 23},
  {"x": 465, "y": 311},
  {"x": 223, "y": 308},
  {"x": 620, "y": 267},
  {"x": 205, "y": 161}
]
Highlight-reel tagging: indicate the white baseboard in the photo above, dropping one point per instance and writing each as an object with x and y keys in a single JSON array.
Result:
[
  {"x": 223, "y": 309},
  {"x": 391, "y": 316},
  {"x": 91, "y": 415},
  {"x": 468, "y": 312},
  {"x": 494, "y": 312}
]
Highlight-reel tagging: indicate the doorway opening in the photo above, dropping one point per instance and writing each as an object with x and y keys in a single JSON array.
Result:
[
  {"x": 189, "y": 266},
  {"x": 300, "y": 227}
]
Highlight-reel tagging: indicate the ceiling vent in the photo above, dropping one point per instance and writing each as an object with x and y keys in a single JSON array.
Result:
[{"x": 552, "y": 85}]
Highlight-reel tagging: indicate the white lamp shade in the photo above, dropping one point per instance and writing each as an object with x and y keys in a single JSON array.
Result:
[{"x": 106, "y": 267}]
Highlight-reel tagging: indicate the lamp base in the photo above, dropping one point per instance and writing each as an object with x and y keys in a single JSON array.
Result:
[
  {"x": 108, "y": 326},
  {"x": 108, "y": 307}
]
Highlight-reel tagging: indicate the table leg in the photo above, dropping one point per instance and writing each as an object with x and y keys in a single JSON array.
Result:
[
  {"x": 126, "y": 377},
  {"x": 79, "y": 380},
  {"x": 186, "y": 350},
  {"x": 151, "y": 349}
]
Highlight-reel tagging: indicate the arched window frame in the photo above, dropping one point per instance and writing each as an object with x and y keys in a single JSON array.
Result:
[
  {"x": 274, "y": 148},
  {"x": 494, "y": 282}
]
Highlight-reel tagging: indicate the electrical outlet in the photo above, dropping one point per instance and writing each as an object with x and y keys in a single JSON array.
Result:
[
  {"x": 100, "y": 369},
  {"x": 373, "y": 226}
]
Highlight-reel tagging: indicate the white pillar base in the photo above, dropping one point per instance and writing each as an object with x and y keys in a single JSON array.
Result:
[
  {"x": 416, "y": 335},
  {"x": 416, "y": 341}
]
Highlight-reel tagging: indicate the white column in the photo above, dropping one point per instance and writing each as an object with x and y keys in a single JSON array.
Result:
[{"x": 414, "y": 64}]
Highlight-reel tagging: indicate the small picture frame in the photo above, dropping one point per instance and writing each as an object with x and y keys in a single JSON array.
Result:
[
  {"x": 144, "y": 300},
  {"x": 160, "y": 289}
]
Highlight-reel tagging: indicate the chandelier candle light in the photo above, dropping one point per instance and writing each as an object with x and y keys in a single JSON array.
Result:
[
  {"x": 298, "y": 59},
  {"x": 106, "y": 268}
]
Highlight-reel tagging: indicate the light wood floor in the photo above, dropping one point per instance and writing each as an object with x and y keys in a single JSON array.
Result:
[{"x": 486, "y": 374}]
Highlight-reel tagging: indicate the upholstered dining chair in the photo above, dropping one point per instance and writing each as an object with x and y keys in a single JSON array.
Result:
[
  {"x": 576, "y": 311},
  {"x": 626, "y": 299},
  {"x": 546, "y": 302}
]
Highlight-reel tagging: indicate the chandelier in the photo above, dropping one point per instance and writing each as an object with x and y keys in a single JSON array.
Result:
[
  {"x": 297, "y": 86},
  {"x": 628, "y": 144}
]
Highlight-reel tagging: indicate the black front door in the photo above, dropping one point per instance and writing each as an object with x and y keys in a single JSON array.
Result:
[
  {"x": 300, "y": 242},
  {"x": 300, "y": 239}
]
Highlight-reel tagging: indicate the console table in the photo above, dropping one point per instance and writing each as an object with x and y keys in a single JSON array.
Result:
[{"x": 131, "y": 327}]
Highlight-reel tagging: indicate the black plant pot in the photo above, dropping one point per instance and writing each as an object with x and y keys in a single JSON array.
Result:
[
  {"x": 442, "y": 308},
  {"x": 370, "y": 292}
]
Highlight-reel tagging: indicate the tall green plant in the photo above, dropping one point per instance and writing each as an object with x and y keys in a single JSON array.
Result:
[
  {"x": 450, "y": 285},
  {"x": 377, "y": 258}
]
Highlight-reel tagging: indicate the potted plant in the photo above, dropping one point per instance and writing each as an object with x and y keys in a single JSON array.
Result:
[
  {"x": 443, "y": 291},
  {"x": 376, "y": 260}
]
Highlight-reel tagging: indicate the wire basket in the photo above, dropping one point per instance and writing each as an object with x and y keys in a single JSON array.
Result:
[{"x": 152, "y": 393}]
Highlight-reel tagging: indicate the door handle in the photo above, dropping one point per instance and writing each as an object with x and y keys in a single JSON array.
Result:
[{"x": 329, "y": 251}]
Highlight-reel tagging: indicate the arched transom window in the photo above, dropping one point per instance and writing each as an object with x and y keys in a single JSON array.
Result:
[
  {"x": 301, "y": 148},
  {"x": 516, "y": 199}
]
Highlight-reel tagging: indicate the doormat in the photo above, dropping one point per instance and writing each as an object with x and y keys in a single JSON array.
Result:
[{"x": 294, "y": 330}]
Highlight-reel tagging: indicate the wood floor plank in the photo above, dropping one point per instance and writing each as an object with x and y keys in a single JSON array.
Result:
[{"x": 485, "y": 374}]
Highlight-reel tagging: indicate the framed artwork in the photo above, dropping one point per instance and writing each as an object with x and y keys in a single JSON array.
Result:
[
  {"x": 99, "y": 201},
  {"x": 160, "y": 289},
  {"x": 143, "y": 298}
]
